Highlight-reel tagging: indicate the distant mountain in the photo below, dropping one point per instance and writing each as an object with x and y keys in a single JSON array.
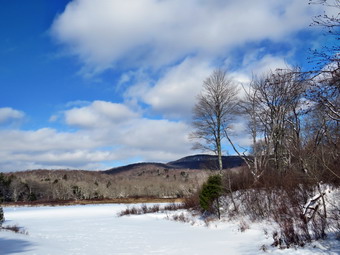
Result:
[
  {"x": 200, "y": 161},
  {"x": 136, "y": 166},
  {"x": 203, "y": 161}
]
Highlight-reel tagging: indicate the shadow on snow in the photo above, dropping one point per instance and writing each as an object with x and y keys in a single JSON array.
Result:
[{"x": 10, "y": 246}]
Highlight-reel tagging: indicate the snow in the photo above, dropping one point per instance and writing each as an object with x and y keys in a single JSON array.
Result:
[{"x": 96, "y": 229}]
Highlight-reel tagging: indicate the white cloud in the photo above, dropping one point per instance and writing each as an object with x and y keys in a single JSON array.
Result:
[
  {"x": 48, "y": 148},
  {"x": 239, "y": 135},
  {"x": 255, "y": 66},
  {"x": 174, "y": 94},
  {"x": 155, "y": 135},
  {"x": 266, "y": 64},
  {"x": 105, "y": 132},
  {"x": 98, "y": 114},
  {"x": 151, "y": 33},
  {"x": 45, "y": 139},
  {"x": 179, "y": 41},
  {"x": 9, "y": 114}
]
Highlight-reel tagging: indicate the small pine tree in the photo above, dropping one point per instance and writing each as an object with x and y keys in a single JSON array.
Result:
[
  {"x": 2, "y": 217},
  {"x": 210, "y": 193}
]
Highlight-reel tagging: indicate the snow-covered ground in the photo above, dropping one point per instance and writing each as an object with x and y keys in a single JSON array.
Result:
[{"x": 96, "y": 230}]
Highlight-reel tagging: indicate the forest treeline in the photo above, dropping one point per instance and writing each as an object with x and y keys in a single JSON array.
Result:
[{"x": 54, "y": 185}]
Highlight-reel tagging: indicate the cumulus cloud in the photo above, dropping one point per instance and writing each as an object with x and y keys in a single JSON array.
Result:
[
  {"x": 254, "y": 65},
  {"x": 266, "y": 64},
  {"x": 153, "y": 33},
  {"x": 155, "y": 135},
  {"x": 8, "y": 114},
  {"x": 164, "y": 49},
  {"x": 173, "y": 94},
  {"x": 99, "y": 114},
  {"x": 163, "y": 36},
  {"x": 105, "y": 132}
]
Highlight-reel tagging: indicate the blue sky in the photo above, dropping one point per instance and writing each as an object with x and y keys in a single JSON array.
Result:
[{"x": 95, "y": 84}]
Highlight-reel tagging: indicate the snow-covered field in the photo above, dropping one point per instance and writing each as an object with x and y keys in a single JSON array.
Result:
[{"x": 96, "y": 229}]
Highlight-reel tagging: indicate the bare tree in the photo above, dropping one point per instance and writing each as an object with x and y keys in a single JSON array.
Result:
[
  {"x": 329, "y": 52},
  {"x": 273, "y": 107},
  {"x": 325, "y": 91},
  {"x": 249, "y": 108},
  {"x": 213, "y": 112},
  {"x": 321, "y": 146},
  {"x": 326, "y": 74}
]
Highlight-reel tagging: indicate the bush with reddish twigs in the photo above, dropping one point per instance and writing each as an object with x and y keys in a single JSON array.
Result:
[{"x": 144, "y": 209}]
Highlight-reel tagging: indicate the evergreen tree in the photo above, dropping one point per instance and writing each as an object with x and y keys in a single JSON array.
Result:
[{"x": 210, "y": 193}]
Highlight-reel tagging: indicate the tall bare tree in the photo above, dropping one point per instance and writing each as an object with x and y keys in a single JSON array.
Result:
[
  {"x": 324, "y": 92},
  {"x": 274, "y": 108},
  {"x": 249, "y": 108},
  {"x": 213, "y": 112},
  {"x": 326, "y": 74}
]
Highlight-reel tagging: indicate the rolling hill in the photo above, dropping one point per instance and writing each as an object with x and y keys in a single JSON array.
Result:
[
  {"x": 179, "y": 178},
  {"x": 194, "y": 162}
]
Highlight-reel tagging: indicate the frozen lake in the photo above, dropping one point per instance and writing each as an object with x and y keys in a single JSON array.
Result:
[{"x": 95, "y": 229}]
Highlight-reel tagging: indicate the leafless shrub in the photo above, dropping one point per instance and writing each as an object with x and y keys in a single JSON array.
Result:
[
  {"x": 254, "y": 204},
  {"x": 192, "y": 202},
  {"x": 154, "y": 209},
  {"x": 263, "y": 248},
  {"x": 294, "y": 229},
  {"x": 281, "y": 197},
  {"x": 243, "y": 226},
  {"x": 318, "y": 227},
  {"x": 129, "y": 211},
  {"x": 265, "y": 231},
  {"x": 144, "y": 209},
  {"x": 208, "y": 220},
  {"x": 334, "y": 216},
  {"x": 180, "y": 217},
  {"x": 174, "y": 206},
  {"x": 15, "y": 229},
  {"x": 289, "y": 234}
]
